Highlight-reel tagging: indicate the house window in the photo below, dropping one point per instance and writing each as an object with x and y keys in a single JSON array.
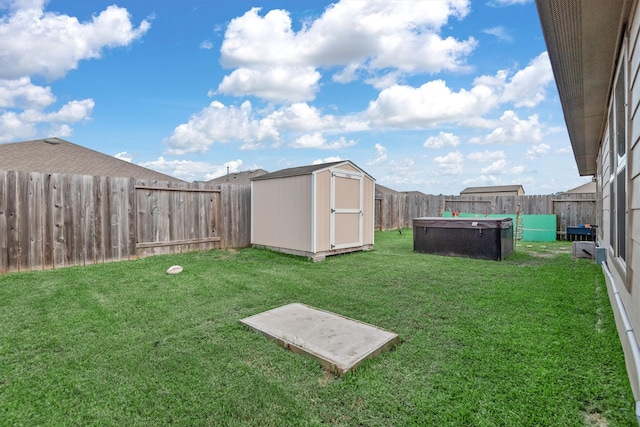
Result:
[{"x": 618, "y": 164}]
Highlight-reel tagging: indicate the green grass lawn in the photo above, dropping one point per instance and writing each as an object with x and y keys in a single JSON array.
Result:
[{"x": 529, "y": 341}]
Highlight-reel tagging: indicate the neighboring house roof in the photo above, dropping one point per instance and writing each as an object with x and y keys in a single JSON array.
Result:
[
  {"x": 381, "y": 189},
  {"x": 243, "y": 177},
  {"x": 55, "y": 155},
  {"x": 414, "y": 193},
  {"x": 305, "y": 170},
  {"x": 494, "y": 189},
  {"x": 582, "y": 40},
  {"x": 589, "y": 187}
]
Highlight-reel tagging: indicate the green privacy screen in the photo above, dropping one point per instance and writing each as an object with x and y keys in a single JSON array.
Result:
[{"x": 535, "y": 228}]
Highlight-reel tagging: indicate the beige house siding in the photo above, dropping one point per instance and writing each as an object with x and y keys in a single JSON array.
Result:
[
  {"x": 632, "y": 299},
  {"x": 622, "y": 272},
  {"x": 281, "y": 214}
]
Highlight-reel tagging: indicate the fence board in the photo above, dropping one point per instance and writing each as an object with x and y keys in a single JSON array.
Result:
[
  {"x": 12, "y": 221},
  {"x": 88, "y": 220},
  {"x": 4, "y": 260},
  {"x": 22, "y": 198},
  {"x": 35, "y": 221}
]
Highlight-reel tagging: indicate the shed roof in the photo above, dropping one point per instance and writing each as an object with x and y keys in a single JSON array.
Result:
[
  {"x": 305, "y": 170},
  {"x": 243, "y": 177},
  {"x": 55, "y": 155},
  {"x": 493, "y": 189}
]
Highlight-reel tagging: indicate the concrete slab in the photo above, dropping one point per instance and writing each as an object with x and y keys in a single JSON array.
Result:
[{"x": 338, "y": 342}]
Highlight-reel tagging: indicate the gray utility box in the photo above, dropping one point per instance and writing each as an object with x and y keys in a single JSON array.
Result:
[
  {"x": 483, "y": 238},
  {"x": 584, "y": 250}
]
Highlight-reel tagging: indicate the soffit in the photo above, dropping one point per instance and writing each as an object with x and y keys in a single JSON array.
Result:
[{"x": 583, "y": 39}]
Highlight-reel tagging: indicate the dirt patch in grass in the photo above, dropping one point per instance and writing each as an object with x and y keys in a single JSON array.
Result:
[{"x": 594, "y": 419}]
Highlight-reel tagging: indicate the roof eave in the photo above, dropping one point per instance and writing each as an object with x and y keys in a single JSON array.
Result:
[{"x": 583, "y": 39}]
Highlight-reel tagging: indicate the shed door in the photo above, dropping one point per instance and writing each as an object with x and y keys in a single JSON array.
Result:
[{"x": 346, "y": 209}]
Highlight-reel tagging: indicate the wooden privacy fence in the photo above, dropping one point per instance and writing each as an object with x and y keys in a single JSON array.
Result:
[
  {"x": 57, "y": 220},
  {"x": 397, "y": 211}
]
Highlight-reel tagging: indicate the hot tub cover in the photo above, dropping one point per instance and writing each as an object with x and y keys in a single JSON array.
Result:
[{"x": 482, "y": 223}]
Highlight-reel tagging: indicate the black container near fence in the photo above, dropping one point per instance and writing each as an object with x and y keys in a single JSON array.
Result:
[{"x": 484, "y": 238}]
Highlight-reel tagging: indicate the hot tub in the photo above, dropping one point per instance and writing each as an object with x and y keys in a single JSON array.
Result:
[{"x": 483, "y": 238}]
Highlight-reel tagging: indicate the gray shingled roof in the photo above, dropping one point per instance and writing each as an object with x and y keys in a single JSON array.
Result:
[
  {"x": 492, "y": 189},
  {"x": 55, "y": 155},
  {"x": 589, "y": 187},
  {"x": 381, "y": 189},
  {"x": 301, "y": 170},
  {"x": 243, "y": 178}
]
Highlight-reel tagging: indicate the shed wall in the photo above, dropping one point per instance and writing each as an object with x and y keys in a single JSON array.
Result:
[
  {"x": 281, "y": 213},
  {"x": 368, "y": 211},
  {"x": 323, "y": 208}
]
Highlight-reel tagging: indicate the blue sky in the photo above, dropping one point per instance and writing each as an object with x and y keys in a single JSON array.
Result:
[{"x": 433, "y": 96}]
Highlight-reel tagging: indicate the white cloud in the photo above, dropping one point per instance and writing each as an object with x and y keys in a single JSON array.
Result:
[
  {"x": 189, "y": 170},
  {"x": 564, "y": 150},
  {"x": 499, "y": 166},
  {"x": 450, "y": 164},
  {"x": 62, "y": 130},
  {"x": 302, "y": 117},
  {"x": 206, "y": 44},
  {"x": 508, "y": 2},
  {"x": 123, "y": 155},
  {"x": 538, "y": 150},
  {"x": 38, "y": 43},
  {"x": 347, "y": 74},
  {"x": 411, "y": 52},
  {"x": 73, "y": 111},
  {"x": 231, "y": 166},
  {"x": 527, "y": 87},
  {"x": 380, "y": 155},
  {"x": 499, "y": 32},
  {"x": 276, "y": 84},
  {"x": 254, "y": 128},
  {"x": 34, "y": 42},
  {"x": 512, "y": 130},
  {"x": 219, "y": 123},
  {"x": 29, "y": 123},
  {"x": 21, "y": 93},
  {"x": 330, "y": 159},
  {"x": 384, "y": 81},
  {"x": 317, "y": 140},
  {"x": 481, "y": 181},
  {"x": 486, "y": 156},
  {"x": 381, "y": 35},
  {"x": 443, "y": 139},
  {"x": 405, "y": 173},
  {"x": 430, "y": 104}
]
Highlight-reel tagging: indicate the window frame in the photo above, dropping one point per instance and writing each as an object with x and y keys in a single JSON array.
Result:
[{"x": 618, "y": 136}]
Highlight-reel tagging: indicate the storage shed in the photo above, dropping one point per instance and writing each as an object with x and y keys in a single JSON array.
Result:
[{"x": 313, "y": 211}]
